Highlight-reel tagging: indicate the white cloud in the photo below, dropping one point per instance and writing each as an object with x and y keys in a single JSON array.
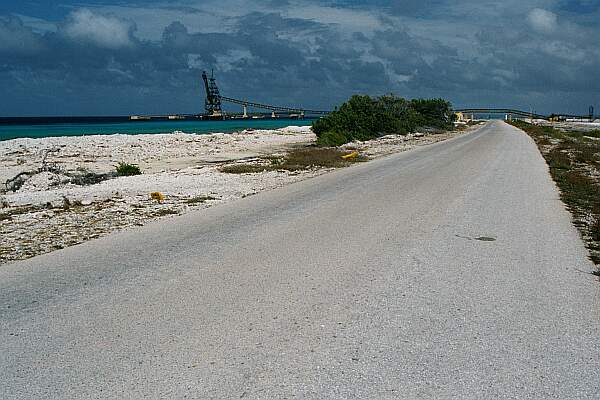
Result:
[
  {"x": 472, "y": 51},
  {"x": 353, "y": 20},
  {"x": 104, "y": 31},
  {"x": 542, "y": 20},
  {"x": 207, "y": 16}
]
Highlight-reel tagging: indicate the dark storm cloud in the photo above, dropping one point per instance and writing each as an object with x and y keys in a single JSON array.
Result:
[
  {"x": 98, "y": 61},
  {"x": 267, "y": 62}
]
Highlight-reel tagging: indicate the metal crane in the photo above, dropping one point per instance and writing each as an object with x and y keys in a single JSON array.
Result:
[
  {"x": 212, "y": 104},
  {"x": 214, "y": 99}
]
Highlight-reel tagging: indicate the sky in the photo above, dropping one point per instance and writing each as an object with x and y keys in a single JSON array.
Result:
[{"x": 144, "y": 57}]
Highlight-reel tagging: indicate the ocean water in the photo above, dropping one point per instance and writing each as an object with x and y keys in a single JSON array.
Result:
[{"x": 13, "y": 131}]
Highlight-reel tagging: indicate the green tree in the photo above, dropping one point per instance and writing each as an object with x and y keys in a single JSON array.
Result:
[{"x": 364, "y": 117}]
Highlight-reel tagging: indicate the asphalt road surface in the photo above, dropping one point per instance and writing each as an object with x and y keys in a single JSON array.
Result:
[{"x": 447, "y": 272}]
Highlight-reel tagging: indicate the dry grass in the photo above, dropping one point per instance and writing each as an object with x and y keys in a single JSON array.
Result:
[
  {"x": 165, "y": 211},
  {"x": 12, "y": 212},
  {"x": 297, "y": 160},
  {"x": 199, "y": 199},
  {"x": 574, "y": 164},
  {"x": 244, "y": 168}
]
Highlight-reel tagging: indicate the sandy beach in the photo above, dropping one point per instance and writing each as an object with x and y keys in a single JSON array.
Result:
[{"x": 50, "y": 211}]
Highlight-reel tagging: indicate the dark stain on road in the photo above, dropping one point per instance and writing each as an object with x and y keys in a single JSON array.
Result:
[
  {"x": 480, "y": 238},
  {"x": 485, "y": 239}
]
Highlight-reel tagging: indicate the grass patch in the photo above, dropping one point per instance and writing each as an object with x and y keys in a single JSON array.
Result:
[
  {"x": 316, "y": 157},
  {"x": 298, "y": 160},
  {"x": 164, "y": 212},
  {"x": 13, "y": 212},
  {"x": 245, "y": 168},
  {"x": 575, "y": 166},
  {"x": 124, "y": 169},
  {"x": 199, "y": 199}
]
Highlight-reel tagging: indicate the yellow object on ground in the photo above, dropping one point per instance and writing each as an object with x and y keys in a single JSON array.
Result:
[
  {"x": 354, "y": 154},
  {"x": 158, "y": 196}
]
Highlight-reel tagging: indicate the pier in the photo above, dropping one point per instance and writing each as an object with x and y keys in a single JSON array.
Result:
[{"x": 214, "y": 111}]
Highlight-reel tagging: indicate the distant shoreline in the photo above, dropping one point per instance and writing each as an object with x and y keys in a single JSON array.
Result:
[
  {"x": 84, "y": 126},
  {"x": 48, "y": 120},
  {"x": 61, "y": 120}
]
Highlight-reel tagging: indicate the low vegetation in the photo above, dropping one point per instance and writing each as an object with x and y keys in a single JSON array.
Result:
[
  {"x": 67, "y": 203},
  {"x": 164, "y": 212},
  {"x": 125, "y": 169},
  {"x": 200, "y": 199},
  {"x": 364, "y": 117},
  {"x": 297, "y": 160},
  {"x": 574, "y": 161},
  {"x": 84, "y": 177},
  {"x": 18, "y": 210},
  {"x": 80, "y": 177},
  {"x": 15, "y": 183},
  {"x": 244, "y": 168}
]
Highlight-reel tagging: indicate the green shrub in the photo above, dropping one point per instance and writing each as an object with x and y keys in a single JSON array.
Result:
[
  {"x": 332, "y": 139},
  {"x": 434, "y": 113},
  {"x": 364, "y": 117},
  {"x": 124, "y": 169}
]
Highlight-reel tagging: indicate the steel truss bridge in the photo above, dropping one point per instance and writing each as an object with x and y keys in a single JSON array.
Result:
[
  {"x": 213, "y": 101},
  {"x": 246, "y": 103},
  {"x": 524, "y": 114},
  {"x": 507, "y": 111}
]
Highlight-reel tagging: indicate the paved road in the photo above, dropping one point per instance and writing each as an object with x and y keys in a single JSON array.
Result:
[{"x": 365, "y": 283}]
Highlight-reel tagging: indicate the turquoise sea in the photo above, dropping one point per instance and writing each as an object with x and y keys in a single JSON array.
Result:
[{"x": 12, "y": 131}]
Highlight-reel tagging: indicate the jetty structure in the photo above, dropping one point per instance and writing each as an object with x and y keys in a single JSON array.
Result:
[{"x": 213, "y": 108}]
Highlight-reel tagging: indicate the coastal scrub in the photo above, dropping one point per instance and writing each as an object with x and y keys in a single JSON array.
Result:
[
  {"x": 574, "y": 161},
  {"x": 364, "y": 117},
  {"x": 124, "y": 169}
]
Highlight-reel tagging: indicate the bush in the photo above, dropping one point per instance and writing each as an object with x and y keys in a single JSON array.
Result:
[
  {"x": 433, "y": 113},
  {"x": 124, "y": 169},
  {"x": 365, "y": 117},
  {"x": 332, "y": 139}
]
